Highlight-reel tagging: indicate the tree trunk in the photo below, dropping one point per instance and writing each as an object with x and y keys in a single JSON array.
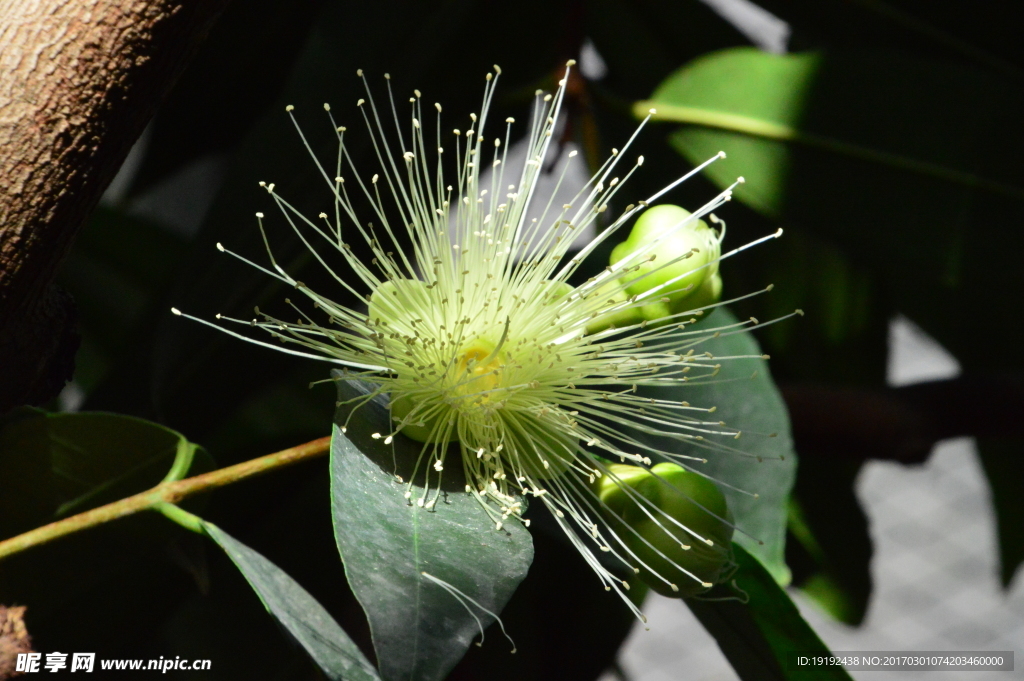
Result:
[{"x": 79, "y": 79}]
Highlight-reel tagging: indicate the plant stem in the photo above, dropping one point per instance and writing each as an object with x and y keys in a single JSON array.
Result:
[{"x": 164, "y": 493}]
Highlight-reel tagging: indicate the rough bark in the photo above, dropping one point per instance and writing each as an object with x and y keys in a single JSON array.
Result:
[
  {"x": 79, "y": 79},
  {"x": 14, "y": 639}
]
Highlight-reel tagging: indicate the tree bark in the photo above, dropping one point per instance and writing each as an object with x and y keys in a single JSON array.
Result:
[{"x": 79, "y": 79}]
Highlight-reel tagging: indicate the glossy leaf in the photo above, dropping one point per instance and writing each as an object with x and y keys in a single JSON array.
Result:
[
  {"x": 883, "y": 100},
  {"x": 387, "y": 541},
  {"x": 908, "y": 166},
  {"x": 565, "y": 625},
  {"x": 759, "y": 636},
  {"x": 298, "y": 612}
]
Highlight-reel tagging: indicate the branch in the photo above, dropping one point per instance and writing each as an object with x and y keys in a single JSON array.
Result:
[
  {"x": 79, "y": 79},
  {"x": 164, "y": 493},
  {"x": 903, "y": 423}
]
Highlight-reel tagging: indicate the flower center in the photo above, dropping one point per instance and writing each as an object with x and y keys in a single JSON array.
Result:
[{"x": 479, "y": 372}]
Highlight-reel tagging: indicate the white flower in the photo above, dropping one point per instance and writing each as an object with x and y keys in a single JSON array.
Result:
[{"x": 474, "y": 332}]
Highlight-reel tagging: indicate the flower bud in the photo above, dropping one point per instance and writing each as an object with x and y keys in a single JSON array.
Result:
[
  {"x": 685, "y": 263},
  {"x": 666, "y": 550}
]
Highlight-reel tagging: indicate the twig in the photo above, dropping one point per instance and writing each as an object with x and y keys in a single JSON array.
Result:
[{"x": 164, "y": 493}]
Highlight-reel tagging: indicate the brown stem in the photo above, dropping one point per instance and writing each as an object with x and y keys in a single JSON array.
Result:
[
  {"x": 79, "y": 79},
  {"x": 168, "y": 492},
  {"x": 902, "y": 423}
]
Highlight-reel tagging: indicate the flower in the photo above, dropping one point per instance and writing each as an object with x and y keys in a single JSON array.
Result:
[{"x": 476, "y": 335}]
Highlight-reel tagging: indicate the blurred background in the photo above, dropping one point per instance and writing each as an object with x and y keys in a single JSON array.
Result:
[{"x": 883, "y": 137}]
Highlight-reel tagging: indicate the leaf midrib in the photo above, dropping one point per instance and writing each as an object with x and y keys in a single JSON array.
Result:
[{"x": 756, "y": 127}]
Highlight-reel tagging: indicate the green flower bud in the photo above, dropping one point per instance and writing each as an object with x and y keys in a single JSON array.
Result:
[
  {"x": 691, "y": 281},
  {"x": 670, "y": 551}
]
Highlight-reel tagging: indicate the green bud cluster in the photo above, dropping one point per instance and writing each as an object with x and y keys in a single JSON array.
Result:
[
  {"x": 685, "y": 263},
  {"x": 665, "y": 548}
]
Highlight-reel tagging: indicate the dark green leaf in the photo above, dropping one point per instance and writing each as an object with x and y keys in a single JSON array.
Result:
[
  {"x": 298, "y": 612},
  {"x": 878, "y": 118},
  {"x": 30, "y": 497},
  {"x": 97, "y": 580},
  {"x": 865, "y": 149},
  {"x": 565, "y": 625},
  {"x": 642, "y": 41},
  {"x": 420, "y": 630},
  {"x": 92, "y": 458},
  {"x": 757, "y": 637}
]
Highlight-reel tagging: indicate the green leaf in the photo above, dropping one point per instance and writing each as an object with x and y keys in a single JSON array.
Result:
[
  {"x": 759, "y": 636},
  {"x": 123, "y": 572},
  {"x": 92, "y": 458},
  {"x": 867, "y": 149},
  {"x": 641, "y": 41},
  {"x": 829, "y": 524},
  {"x": 910, "y": 167},
  {"x": 420, "y": 630},
  {"x": 750, "y": 98},
  {"x": 298, "y": 612},
  {"x": 745, "y": 398}
]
